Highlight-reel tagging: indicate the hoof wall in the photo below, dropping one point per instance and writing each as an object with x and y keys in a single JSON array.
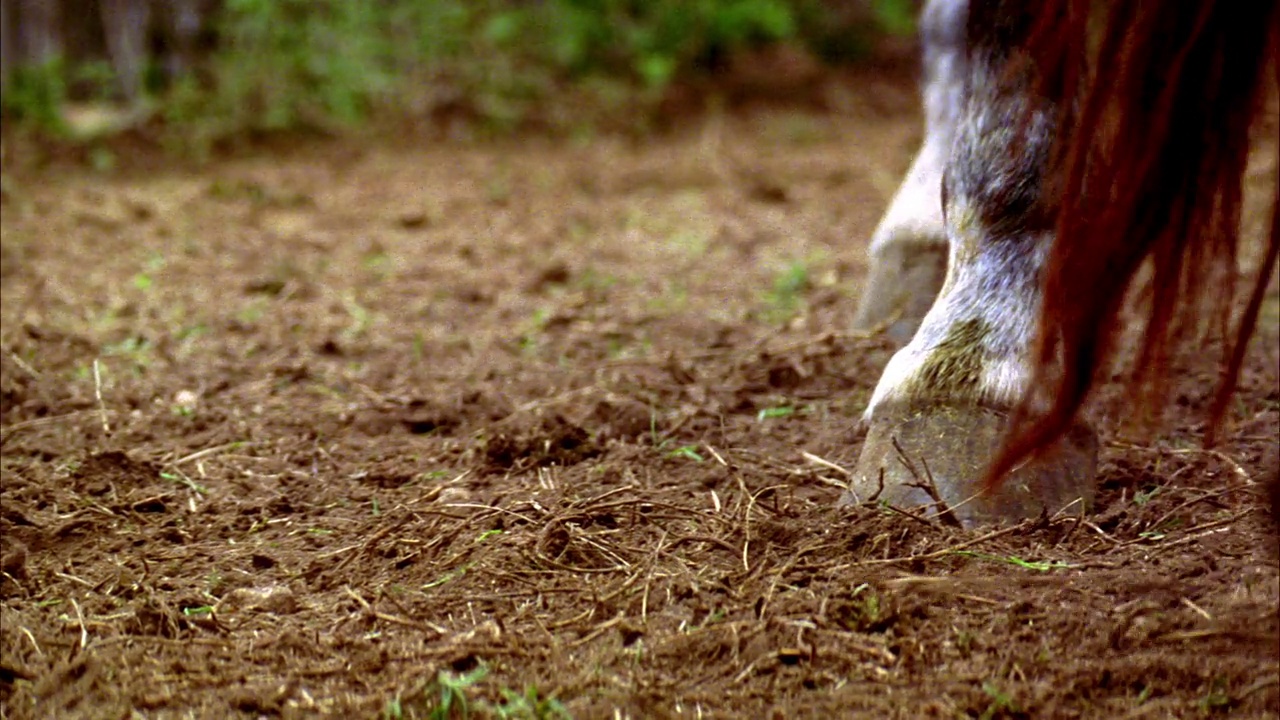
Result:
[
  {"x": 902, "y": 284},
  {"x": 936, "y": 458}
]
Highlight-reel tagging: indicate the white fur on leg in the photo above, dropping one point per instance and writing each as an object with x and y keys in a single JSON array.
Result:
[
  {"x": 994, "y": 285},
  {"x": 915, "y": 213}
]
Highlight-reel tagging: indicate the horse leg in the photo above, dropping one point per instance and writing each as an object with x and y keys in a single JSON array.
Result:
[
  {"x": 940, "y": 411},
  {"x": 909, "y": 247}
]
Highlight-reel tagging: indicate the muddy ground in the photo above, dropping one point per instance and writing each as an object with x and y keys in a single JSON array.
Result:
[{"x": 556, "y": 428}]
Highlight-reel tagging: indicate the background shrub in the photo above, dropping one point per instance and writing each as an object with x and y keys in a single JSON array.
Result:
[{"x": 273, "y": 65}]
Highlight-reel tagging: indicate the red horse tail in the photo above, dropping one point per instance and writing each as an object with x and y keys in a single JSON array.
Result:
[{"x": 1150, "y": 165}]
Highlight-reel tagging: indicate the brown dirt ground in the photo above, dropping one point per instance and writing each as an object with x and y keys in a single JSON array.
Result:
[{"x": 327, "y": 432}]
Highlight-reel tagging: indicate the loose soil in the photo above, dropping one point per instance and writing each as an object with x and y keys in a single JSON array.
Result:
[{"x": 555, "y": 427}]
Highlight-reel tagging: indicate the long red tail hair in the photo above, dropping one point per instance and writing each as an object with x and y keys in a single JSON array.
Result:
[{"x": 1150, "y": 166}]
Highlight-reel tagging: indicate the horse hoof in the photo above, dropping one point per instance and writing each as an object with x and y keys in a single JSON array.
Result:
[
  {"x": 903, "y": 281},
  {"x": 936, "y": 457}
]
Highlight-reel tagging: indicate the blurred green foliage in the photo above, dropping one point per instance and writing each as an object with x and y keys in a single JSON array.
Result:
[
  {"x": 36, "y": 94},
  {"x": 289, "y": 64}
]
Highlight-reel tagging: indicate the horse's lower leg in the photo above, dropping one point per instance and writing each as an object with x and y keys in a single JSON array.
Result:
[
  {"x": 909, "y": 248},
  {"x": 939, "y": 412}
]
